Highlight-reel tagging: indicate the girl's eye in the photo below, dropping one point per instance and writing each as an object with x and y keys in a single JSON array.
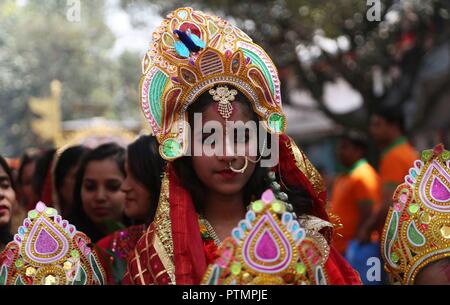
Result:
[
  {"x": 241, "y": 136},
  {"x": 5, "y": 185},
  {"x": 89, "y": 186},
  {"x": 207, "y": 138},
  {"x": 113, "y": 186}
]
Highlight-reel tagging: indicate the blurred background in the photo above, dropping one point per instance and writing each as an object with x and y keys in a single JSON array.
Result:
[{"x": 69, "y": 70}]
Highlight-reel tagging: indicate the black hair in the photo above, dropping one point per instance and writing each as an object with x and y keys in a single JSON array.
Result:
[
  {"x": 257, "y": 183},
  {"x": 43, "y": 164},
  {"x": 68, "y": 159},
  {"x": 5, "y": 234},
  {"x": 26, "y": 159},
  {"x": 393, "y": 114},
  {"x": 78, "y": 216},
  {"x": 147, "y": 166},
  {"x": 356, "y": 138}
]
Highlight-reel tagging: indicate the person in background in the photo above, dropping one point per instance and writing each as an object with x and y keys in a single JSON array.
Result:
[
  {"x": 397, "y": 155},
  {"x": 98, "y": 200},
  {"x": 64, "y": 175},
  {"x": 142, "y": 185},
  {"x": 26, "y": 195},
  {"x": 7, "y": 202},
  {"x": 357, "y": 191},
  {"x": 42, "y": 178}
]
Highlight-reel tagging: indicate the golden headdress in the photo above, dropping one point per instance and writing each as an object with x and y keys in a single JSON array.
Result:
[
  {"x": 48, "y": 250},
  {"x": 417, "y": 229},
  {"x": 192, "y": 52},
  {"x": 270, "y": 246}
]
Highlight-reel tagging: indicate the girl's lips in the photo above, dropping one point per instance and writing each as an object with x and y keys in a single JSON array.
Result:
[
  {"x": 101, "y": 211},
  {"x": 3, "y": 208},
  {"x": 227, "y": 174}
]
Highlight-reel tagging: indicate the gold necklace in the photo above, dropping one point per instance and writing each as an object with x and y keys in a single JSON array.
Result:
[{"x": 211, "y": 232}]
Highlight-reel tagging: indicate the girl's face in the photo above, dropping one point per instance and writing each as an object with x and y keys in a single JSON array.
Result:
[
  {"x": 137, "y": 197},
  {"x": 7, "y": 198},
  {"x": 102, "y": 198},
  {"x": 69, "y": 186},
  {"x": 27, "y": 195},
  {"x": 214, "y": 171}
]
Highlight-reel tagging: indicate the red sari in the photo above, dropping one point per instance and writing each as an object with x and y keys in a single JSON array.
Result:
[
  {"x": 115, "y": 249},
  {"x": 172, "y": 250}
]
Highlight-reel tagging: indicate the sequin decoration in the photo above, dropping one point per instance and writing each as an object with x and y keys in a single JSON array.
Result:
[
  {"x": 47, "y": 250},
  {"x": 418, "y": 228},
  {"x": 268, "y": 247}
]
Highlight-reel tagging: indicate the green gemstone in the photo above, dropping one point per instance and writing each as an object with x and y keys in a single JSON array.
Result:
[
  {"x": 413, "y": 208},
  {"x": 276, "y": 122},
  {"x": 32, "y": 214},
  {"x": 19, "y": 263},
  {"x": 74, "y": 254},
  {"x": 50, "y": 211},
  {"x": 427, "y": 154},
  {"x": 278, "y": 207},
  {"x": 394, "y": 257},
  {"x": 257, "y": 206},
  {"x": 235, "y": 268},
  {"x": 300, "y": 268},
  {"x": 445, "y": 155},
  {"x": 171, "y": 148}
]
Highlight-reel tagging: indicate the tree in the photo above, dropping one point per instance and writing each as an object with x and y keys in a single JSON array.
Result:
[{"x": 39, "y": 43}]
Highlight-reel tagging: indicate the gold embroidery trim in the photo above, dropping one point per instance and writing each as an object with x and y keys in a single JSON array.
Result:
[{"x": 305, "y": 166}]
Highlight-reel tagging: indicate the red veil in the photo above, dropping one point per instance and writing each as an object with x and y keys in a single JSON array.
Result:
[{"x": 171, "y": 251}]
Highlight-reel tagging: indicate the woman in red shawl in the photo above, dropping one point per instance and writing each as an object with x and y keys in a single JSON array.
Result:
[{"x": 201, "y": 64}]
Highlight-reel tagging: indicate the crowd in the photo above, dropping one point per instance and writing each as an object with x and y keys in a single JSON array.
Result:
[{"x": 156, "y": 215}]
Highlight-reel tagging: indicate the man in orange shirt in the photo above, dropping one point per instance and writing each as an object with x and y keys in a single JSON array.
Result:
[
  {"x": 397, "y": 156},
  {"x": 356, "y": 192}
]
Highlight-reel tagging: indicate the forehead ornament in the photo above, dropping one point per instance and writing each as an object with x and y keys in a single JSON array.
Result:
[{"x": 224, "y": 97}]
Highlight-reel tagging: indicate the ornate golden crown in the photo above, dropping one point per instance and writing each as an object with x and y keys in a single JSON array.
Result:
[
  {"x": 270, "y": 246},
  {"x": 47, "y": 250},
  {"x": 192, "y": 52},
  {"x": 417, "y": 230}
]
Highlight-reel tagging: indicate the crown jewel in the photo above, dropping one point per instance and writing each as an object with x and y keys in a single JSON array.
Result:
[
  {"x": 417, "y": 229},
  {"x": 48, "y": 250},
  {"x": 269, "y": 246}
]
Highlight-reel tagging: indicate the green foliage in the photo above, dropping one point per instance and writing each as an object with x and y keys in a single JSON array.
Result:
[{"x": 38, "y": 44}]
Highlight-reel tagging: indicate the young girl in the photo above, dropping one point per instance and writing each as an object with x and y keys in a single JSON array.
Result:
[
  {"x": 142, "y": 187},
  {"x": 64, "y": 175},
  {"x": 7, "y": 202},
  {"x": 99, "y": 202},
  {"x": 201, "y": 65}
]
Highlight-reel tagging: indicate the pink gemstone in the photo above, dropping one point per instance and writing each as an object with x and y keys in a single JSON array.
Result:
[
  {"x": 45, "y": 243},
  {"x": 71, "y": 229},
  {"x": 221, "y": 262},
  {"x": 409, "y": 180},
  {"x": 40, "y": 207},
  {"x": 403, "y": 198},
  {"x": 397, "y": 207},
  {"x": 418, "y": 164},
  {"x": 64, "y": 224},
  {"x": 227, "y": 253},
  {"x": 267, "y": 196},
  {"x": 439, "y": 190},
  {"x": 266, "y": 248}
]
